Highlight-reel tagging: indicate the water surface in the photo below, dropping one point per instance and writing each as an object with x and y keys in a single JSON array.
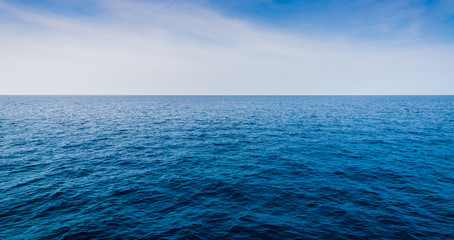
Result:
[{"x": 232, "y": 167}]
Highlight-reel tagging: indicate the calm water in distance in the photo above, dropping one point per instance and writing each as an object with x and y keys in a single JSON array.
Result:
[{"x": 226, "y": 167}]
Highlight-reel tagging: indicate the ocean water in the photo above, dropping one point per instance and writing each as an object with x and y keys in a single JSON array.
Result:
[{"x": 226, "y": 167}]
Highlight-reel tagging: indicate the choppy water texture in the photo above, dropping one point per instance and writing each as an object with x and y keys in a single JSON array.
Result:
[{"x": 233, "y": 167}]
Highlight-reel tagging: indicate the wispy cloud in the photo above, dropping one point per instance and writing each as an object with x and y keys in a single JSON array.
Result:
[{"x": 138, "y": 47}]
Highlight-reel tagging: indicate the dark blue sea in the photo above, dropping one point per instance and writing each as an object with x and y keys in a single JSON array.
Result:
[{"x": 226, "y": 167}]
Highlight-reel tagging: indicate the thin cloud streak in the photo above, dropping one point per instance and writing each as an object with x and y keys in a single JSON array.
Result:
[{"x": 149, "y": 48}]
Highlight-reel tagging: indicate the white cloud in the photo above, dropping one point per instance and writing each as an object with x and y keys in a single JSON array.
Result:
[{"x": 144, "y": 48}]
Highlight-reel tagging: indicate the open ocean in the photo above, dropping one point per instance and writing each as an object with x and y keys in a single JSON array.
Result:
[{"x": 226, "y": 167}]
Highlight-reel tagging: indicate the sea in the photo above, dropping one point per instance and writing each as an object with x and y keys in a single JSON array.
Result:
[{"x": 226, "y": 167}]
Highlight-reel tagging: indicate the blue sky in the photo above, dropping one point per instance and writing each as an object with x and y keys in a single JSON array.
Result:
[
  {"x": 365, "y": 19},
  {"x": 420, "y": 20},
  {"x": 226, "y": 47}
]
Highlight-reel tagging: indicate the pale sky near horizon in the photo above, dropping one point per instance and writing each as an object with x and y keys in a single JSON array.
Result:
[{"x": 226, "y": 47}]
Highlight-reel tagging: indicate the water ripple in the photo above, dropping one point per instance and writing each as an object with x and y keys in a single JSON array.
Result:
[{"x": 233, "y": 167}]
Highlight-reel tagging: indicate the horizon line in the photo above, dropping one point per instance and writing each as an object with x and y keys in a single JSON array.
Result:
[{"x": 233, "y": 95}]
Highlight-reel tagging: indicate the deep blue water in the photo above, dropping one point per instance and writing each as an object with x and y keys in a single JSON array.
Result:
[{"x": 229, "y": 167}]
